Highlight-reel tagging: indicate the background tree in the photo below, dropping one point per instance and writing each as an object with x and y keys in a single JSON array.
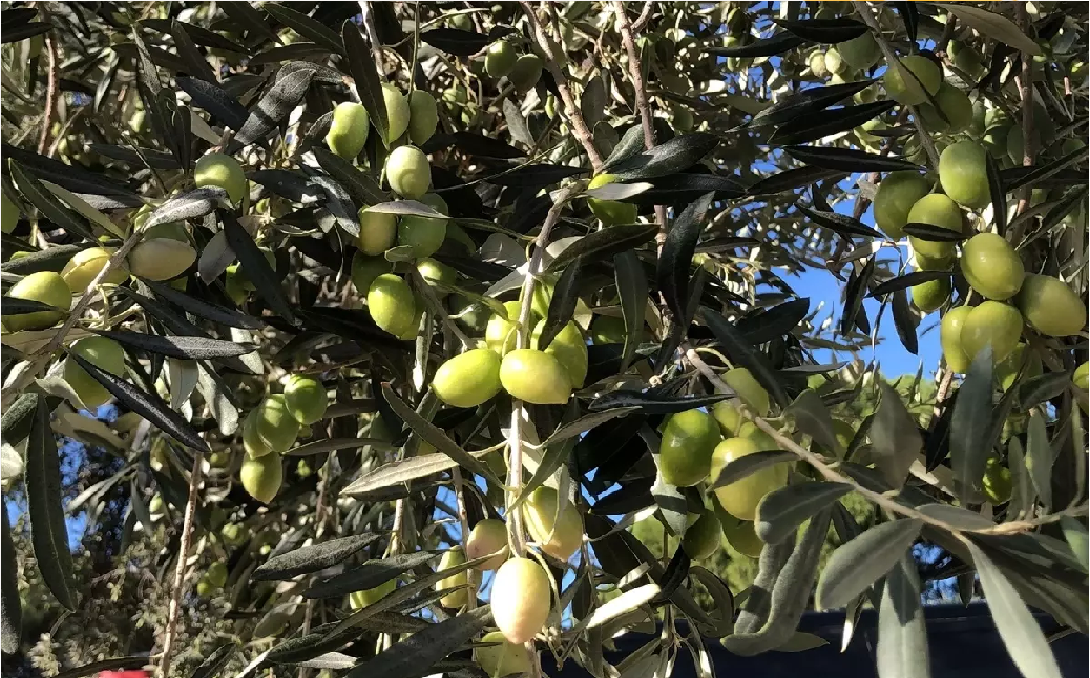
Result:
[{"x": 315, "y": 314}]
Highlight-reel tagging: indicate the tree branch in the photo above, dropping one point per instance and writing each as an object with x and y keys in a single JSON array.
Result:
[
  {"x": 50, "y": 94},
  {"x": 571, "y": 111},
  {"x": 368, "y": 17},
  {"x": 1025, "y": 90},
  {"x": 179, "y": 570}
]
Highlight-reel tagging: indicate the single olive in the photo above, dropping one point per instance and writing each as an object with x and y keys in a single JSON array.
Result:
[
  {"x": 501, "y": 658},
  {"x": 860, "y": 53},
  {"x": 742, "y": 536},
  {"x": 105, "y": 354},
  {"x": 521, "y": 599},
  {"x": 903, "y": 80},
  {"x": 46, "y": 287},
  {"x": 223, "y": 171},
  {"x": 499, "y": 333},
  {"x": 378, "y": 231},
  {"x": 468, "y": 379},
  {"x": 558, "y": 532},
  {"x": 930, "y": 295},
  {"x": 348, "y": 130},
  {"x": 274, "y": 423},
  {"x": 357, "y": 600},
  {"x": 423, "y": 116},
  {"x": 392, "y": 304},
  {"x": 526, "y": 72},
  {"x": 569, "y": 347},
  {"x": 741, "y": 497},
  {"x": 500, "y": 59},
  {"x": 896, "y": 195},
  {"x": 488, "y": 536},
  {"x": 365, "y": 269},
  {"x": 950, "y": 339},
  {"x": 748, "y": 389},
  {"x": 408, "y": 172},
  {"x": 252, "y": 443},
  {"x": 685, "y": 454},
  {"x": 997, "y": 481},
  {"x": 728, "y": 416},
  {"x": 306, "y": 398},
  {"x": 535, "y": 376},
  {"x": 161, "y": 259},
  {"x": 455, "y": 599},
  {"x": 992, "y": 267},
  {"x": 424, "y": 235},
  {"x": 1081, "y": 378},
  {"x": 963, "y": 173},
  {"x": 955, "y": 107},
  {"x": 610, "y": 212},
  {"x": 1050, "y": 306},
  {"x": 261, "y": 477},
  {"x": 702, "y": 536},
  {"x": 993, "y": 323},
  {"x": 82, "y": 268},
  {"x": 937, "y": 210},
  {"x": 397, "y": 111}
]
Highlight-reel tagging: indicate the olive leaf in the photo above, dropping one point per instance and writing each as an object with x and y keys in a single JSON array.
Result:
[{"x": 49, "y": 533}]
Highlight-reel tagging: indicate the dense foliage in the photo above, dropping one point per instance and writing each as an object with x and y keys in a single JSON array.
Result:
[{"x": 389, "y": 339}]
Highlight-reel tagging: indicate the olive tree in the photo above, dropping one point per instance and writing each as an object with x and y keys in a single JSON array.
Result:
[{"x": 361, "y": 335}]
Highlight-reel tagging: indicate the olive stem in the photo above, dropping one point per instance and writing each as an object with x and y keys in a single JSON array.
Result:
[
  {"x": 463, "y": 518},
  {"x": 50, "y": 94},
  {"x": 571, "y": 111},
  {"x": 876, "y": 498},
  {"x": 183, "y": 555},
  {"x": 893, "y": 62},
  {"x": 437, "y": 307}
]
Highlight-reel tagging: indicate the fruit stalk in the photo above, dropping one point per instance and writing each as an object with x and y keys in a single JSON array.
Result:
[
  {"x": 436, "y": 307},
  {"x": 571, "y": 111},
  {"x": 183, "y": 555},
  {"x": 892, "y": 62}
]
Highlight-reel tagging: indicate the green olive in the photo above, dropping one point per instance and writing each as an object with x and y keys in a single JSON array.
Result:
[
  {"x": 965, "y": 58},
  {"x": 452, "y": 558},
  {"x": 570, "y": 348},
  {"x": 860, "y": 53},
  {"x": 423, "y": 116},
  {"x": 610, "y": 212},
  {"x": 702, "y": 536},
  {"x": 9, "y": 214},
  {"x": 161, "y": 259},
  {"x": 997, "y": 481},
  {"x": 896, "y": 195},
  {"x": 728, "y": 416},
  {"x": 1050, "y": 306},
  {"x": 217, "y": 574},
  {"x": 535, "y": 376},
  {"x": 306, "y": 398},
  {"x": 365, "y": 269},
  {"x": 963, "y": 172},
  {"x": 397, "y": 111},
  {"x": 742, "y": 536},
  {"x": 748, "y": 389},
  {"x": 905, "y": 88},
  {"x": 424, "y": 235},
  {"x": 950, "y": 339},
  {"x": 468, "y": 379},
  {"x": 992, "y": 267},
  {"x": 105, "y": 354},
  {"x": 556, "y": 532},
  {"x": 500, "y": 59},
  {"x": 1007, "y": 370},
  {"x": 688, "y": 439},
  {"x": 741, "y": 497},
  {"x": 930, "y": 295},
  {"x": 521, "y": 599},
  {"x": 46, "y": 287},
  {"x": 503, "y": 658},
  {"x": 261, "y": 477},
  {"x": 357, "y": 600},
  {"x": 392, "y": 304},
  {"x": 217, "y": 169},
  {"x": 499, "y": 334},
  {"x": 251, "y": 442},
  {"x": 348, "y": 130},
  {"x": 434, "y": 272},
  {"x": 378, "y": 231},
  {"x": 817, "y": 64},
  {"x": 937, "y": 210},
  {"x": 1081, "y": 378},
  {"x": 408, "y": 172},
  {"x": 954, "y": 105},
  {"x": 86, "y": 264},
  {"x": 526, "y": 72},
  {"x": 275, "y": 425},
  {"x": 487, "y": 537},
  {"x": 993, "y": 323}
]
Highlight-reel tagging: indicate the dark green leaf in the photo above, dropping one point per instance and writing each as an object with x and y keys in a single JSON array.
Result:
[
  {"x": 536, "y": 175},
  {"x": 678, "y": 190},
  {"x": 827, "y": 31},
  {"x": 781, "y": 511},
  {"x": 309, "y": 28},
  {"x": 48, "y": 204},
  {"x": 455, "y": 41},
  {"x": 902, "y": 632},
  {"x": 675, "y": 155},
  {"x": 828, "y": 122},
  {"x": 742, "y": 354},
  {"x": 482, "y": 146},
  {"x": 653, "y": 403},
  {"x": 813, "y": 419},
  {"x": 214, "y": 663},
  {"x": 854, "y": 292},
  {"x": 398, "y": 472},
  {"x": 632, "y": 287},
  {"x": 750, "y": 464},
  {"x": 25, "y": 31},
  {"x": 775, "y": 322},
  {"x": 49, "y": 533},
  {"x": 359, "y": 184},
  {"x": 16, "y": 306},
  {"x": 1020, "y": 632},
  {"x": 968, "y": 428},
  {"x": 416, "y": 655},
  {"x": 50, "y": 259},
  {"x": 765, "y": 47},
  {"x": 74, "y": 178},
  {"x": 190, "y": 55},
  {"x": 792, "y": 180},
  {"x": 562, "y": 305},
  {"x": 902, "y": 282},
  {"x": 1042, "y": 388},
  {"x": 856, "y": 565},
  {"x": 369, "y": 575},
  {"x": 849, "y": 227},
  {"x": 672, "y": 272},
  {"x": 187, "y": 348},
  {"x": 847, "y": 159},
  {"x": 11, "y": 607},
  {"x": 366, "y": 78},
  {"x": 19, "y": 418},
  {"x": 895, "y": 438},
  {"x": 256, "y": 266},
  {"x": 147, "y": 405},
  {"x": 192, "y": 205},
  {"x": 806, "y": 102},
  {"x": 910, "y": 17},
  {"x": 1040, "y": 456},
  {"x": 997, "y": 193},
  {"x": 249, "y": 18},
  {"x": 905, "y": 322},
  {"x": 312, "y": 558},
  {"x": 932, "y": 233},
  {"x": 605, "y": 243},
  {"x": 217, "y": 314},
  {"x": 275, "y": 106},
  {"x": 629, "y": 145},
  {"x": 214, "y": 99}
]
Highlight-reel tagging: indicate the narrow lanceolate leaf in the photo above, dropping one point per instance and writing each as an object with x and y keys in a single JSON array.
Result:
[
  {"x": 417, "y": 654},
  {"x": 777, "y": 321},
  {"x": 311, "y": 558},
  {"x": 777, "y": 44},
  {"x": 324, "y": 445},
  {"x": 214, "y": 663},
  {"x": 275, "y": 106},
  {"x": 359, "y": 184},
  {"x": 306, "y": 26},
  {"x": 51, "y": 259},
  {"x": 189, "y": 54},
  {"x": 257, "y": 267},
  {"x": 629, "y": 145},
  {"x": 1020, "y": 632},
  {"x": 902, "y": 633},
  {"x": 848, "y": 159},
  {"x": 47, "y": 522},
  {"x": 147, "y": 405},
  {"x": 827, "y": 31},
  {"x": 1039, "y": 457},
  {"x": 555, "y": 456},
  {"x": 401, "y": 471},
  {"x": 749, "y": 464},
  {"x": 859, "y": 563},
  {"x": 605, "y": 243},
  {"x": 369, "y": 575},
  {"x": 742, "y": 354},
  {"x": 792, "y": 180},
  {"x": 827, "y": 123},
  {"x": 220, "y": 315},
  {"x": 854, "y": 292},
  {"x": 1043, "y": 387},
  {"x": 365, "y": 78},
  {"x": 843, "y": 224},
  {"x": 813, "y": 419},
  {"x": 782, "y": 511},
  {"x": 905, "y": 323},
  {"x": 455, "y": 41},
  {"x": 214, "y": 99},
  {"x": 995, "y": 26},
  {"x": 632, "y": 287},
  {"x": 434, "y": 435},
  {"x": 675, "y": 155},
  {"x": 895, "y": 437},
  {"x": 968, "y": 428},
  {"x": 188, "y": 348},
  {"x": 905, "y": 281},
  {"x": 806, "y": 102},
  {"x": 932, "y": 233},
  {"x": 561, "y": 306},
  {"x": 577, "y": 428},
  {"x": 48, "y": 204},
  {"x": 652, "y": 402},
  {"x": 755, "y": 609},
  {"x": 1076, "y": 535},
  {"x": 626, "y": 602},
  {"x": 16, "y": 306},
  {"x": 790, "y": 594},
  {"x": 191, "y": 205},
  {"x": 11, "y": 608}
]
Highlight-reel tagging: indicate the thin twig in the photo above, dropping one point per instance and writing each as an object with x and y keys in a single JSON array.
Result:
[
  {"x": 368, "y": 17},
  {"x": 1025, "y": 89},
  {"x": 571, "y": 111},
  {"x": 463, "y": 518},
  {"x": 893, "y": 62},
  {"x": 179, "y": 570},
  {"x": 645, "y": 16},
  {"x": 50, "y": 94}
]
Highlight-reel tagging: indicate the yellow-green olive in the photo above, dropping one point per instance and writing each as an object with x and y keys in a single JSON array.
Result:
[
  {"x": 992, "y": 267},
  {"x": 161, "y": 259},
  {"x": 535, "y": 376},
  {"x": 521, "y": 599},
  {"x": 569, "y": 347},
  {"x": 1050, "y": 307},
  {"x": 468, "y": 379},
  {"x": 896, "y": 195},
  {"x": 424, "y": 235},
  {"x": 748, "y": 389},
  {"x": 392, "y": 304},
  {"x": 1081, "y": 378},
  {"x": 501, "y": 658},
  {"x": 251, "y": 442},
  {"x": 408, "y": 172},
  {"x": 685, "y": 453},
  {"x": 423, "y": 116},
  {"x": 557, "y": 532},
  {"x": 348, "y": 130},
  {"x": 741, "y": 497},
  {"x": 217, "y": 169},
  {"x": 526, "y": 72},
  {"x": 434, "y": 272},
  {"x": 397, "y": 111},
  {"x": 365, "y": 269},
  {"x": 357, "y": 600},
  {"x": 453, "y": 558},
  {"x": 905, "y": 88},
  {"x": 937, "y": 210},
  {"x": 275, "y": 425},
  {"x": 963, "y": 173},
  {"x": 306, "y": 398},
  {"x": 262, "y": 476},
  {"x": 82, "y": 268},
  {"x": 610, "y": 212},
  {"x": 702, "y": 536},
  {"x": 46, "y": 287},
  {"x": 993, "y": 323},
  {"x": 378, "y": 231},
  {"x": 930, "y": 295},
  {"x": 105, "y": 354},
  {"x": 950, "y": 339},
  {"x": 500, "y": 59},
  {"x": 487, "y": 537}
]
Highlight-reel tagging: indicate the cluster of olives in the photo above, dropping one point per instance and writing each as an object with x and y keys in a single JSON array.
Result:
[
  {"x": 416, "y": 114},
  {"x": 844, "y": 60},
  {"x": 271, "y": 428},
  {"x": 503, "y": 60}
]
